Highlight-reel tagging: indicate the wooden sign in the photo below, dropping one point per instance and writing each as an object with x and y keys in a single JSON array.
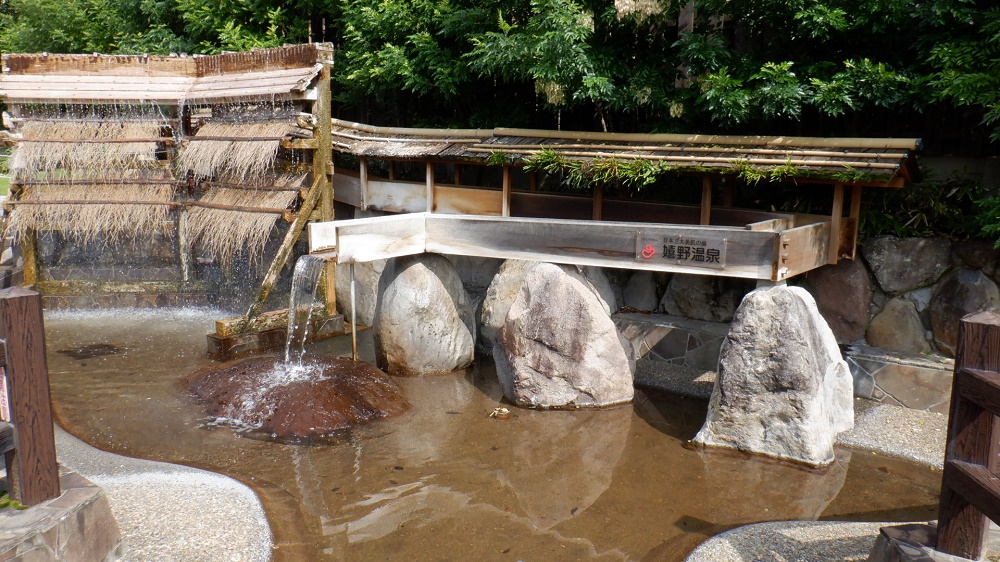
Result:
[{"x": 681, "y": 250}]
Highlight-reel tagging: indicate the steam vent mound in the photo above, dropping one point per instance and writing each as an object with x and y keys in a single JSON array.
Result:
[{"x": 287, "y": 402}]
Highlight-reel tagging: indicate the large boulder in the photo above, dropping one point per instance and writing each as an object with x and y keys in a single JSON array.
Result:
[
  {"x": 703, "y": 297},
  {"x": 602, "y": 286},
  {"x": 963, "y": 292},
  {"x": 978, "y": 254},
  {"x": 499, "y": 296},
  {"x": 843, "y": 294},
  {"x": 559, "y": 348},
  {"x": 898, "y": 328},
  {"x": 639, "y": 292},
  {"x": 905, "y": 264},
  {"x": 783, "y": 388},
  {"x": 366, "y": 283},
  {"x": 424, "y": 322}
]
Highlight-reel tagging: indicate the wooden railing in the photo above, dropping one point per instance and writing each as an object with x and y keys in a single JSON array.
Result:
[
  {"x": 27, "y": 439},
  {"x": 970, "y": 489}
]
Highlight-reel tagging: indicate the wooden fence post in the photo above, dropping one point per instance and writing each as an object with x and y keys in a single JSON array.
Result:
[
  {"x": 32, "y": 473},
  {"x": 973, "y": 429}
]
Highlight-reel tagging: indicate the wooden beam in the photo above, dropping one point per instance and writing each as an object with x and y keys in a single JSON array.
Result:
[
  {"x": 505, "y": 205},
  {"x": 836, "y": 217},
  {"x": 32, "y": 472},
  {"x": 429, "y": 194},
  {"x": 706, "y": 200}
]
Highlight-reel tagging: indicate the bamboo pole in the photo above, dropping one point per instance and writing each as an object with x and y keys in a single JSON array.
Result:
[
  {"x": 354, "y": 319},
  {"x": 281, "y": 257},
  {"x": 684, "y": 148}
]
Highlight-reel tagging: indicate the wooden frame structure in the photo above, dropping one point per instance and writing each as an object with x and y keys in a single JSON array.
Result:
[
  {"x": 176, "y": 87},
  {"x": 970, "y": 488},
  {"x": 767, "y": 246}
]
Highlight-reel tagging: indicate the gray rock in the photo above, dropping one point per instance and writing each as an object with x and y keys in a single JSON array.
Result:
[
  {"x": 639, "y": 292},
  {"x": 366, "y": 280},
  {"x": 558, "y": 348},
  {"x": 703, "y": 297},
  {"x": 476, "y": 273},
  {"x": 898, "y": 328},
  {"x": 783, "y": 388},
  {"x": 499, "y": 296},
  {"x": 843, "y": 294},
  {"x": 602, "y": 285},
  {"x": 424, "y": 321},
  {"x": 905, "y": 264},
  {"x": 963, "y": 292},
  {"x": 978, "y": 254},
  {"x": 921, "y": 298}
]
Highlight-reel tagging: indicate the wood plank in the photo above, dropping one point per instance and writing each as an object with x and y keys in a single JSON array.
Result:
[
  {"x": 981, "y": 387},
  {"x": 609, "y": 244},
  {"x": 370, "y": 239},
  {"x": 347, "y": 189},
  {"x": 397, "y": 196},
  {"x": 769, "y": 225},
  {"x": 976, "y": 485},
  {"x": 802, "y": 249},
  {"x": 542, "y": 205},
  {"x": 455, "y": 200},
  {"x": 33, "y": 473}
]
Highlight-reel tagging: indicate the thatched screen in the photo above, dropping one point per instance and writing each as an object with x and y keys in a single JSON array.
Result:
[
  {"x": 230, "y": 219},
  {"x": 95, "y": 174},
  {"x": 238, "y": 151}
]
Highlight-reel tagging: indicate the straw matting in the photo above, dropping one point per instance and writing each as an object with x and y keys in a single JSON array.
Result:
[
  {"x": 224, "y": 233},
  {"x": 239, "y": 160}
]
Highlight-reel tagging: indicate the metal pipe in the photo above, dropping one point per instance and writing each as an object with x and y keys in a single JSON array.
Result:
[{"x": 354, "y": 320}]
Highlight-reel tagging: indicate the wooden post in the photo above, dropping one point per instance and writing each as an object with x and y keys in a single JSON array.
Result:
[
  {"x": 430, "y": 187},
  {"x": 533, "y": 181},
  {"x": 836, "y": 218},
  {"x": 32, "y": 472},
  {"x": 505, "y": 205},
  {"x": 706, "y": 200},
  {"x": 973, "y": 433},
  {"x": 363, "y": 180},
  {"x": 392, "y": 169},
  {"x": 458, "y": 174},
  {"x": 29, "y": 253},
  {"x": 323, "y": 168},
  {"x": 183, "y": 247},
  {"x": 728, "y": 193}
]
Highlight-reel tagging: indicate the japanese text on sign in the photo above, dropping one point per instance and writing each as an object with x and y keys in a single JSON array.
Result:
[{"x": 682, "y": 250}]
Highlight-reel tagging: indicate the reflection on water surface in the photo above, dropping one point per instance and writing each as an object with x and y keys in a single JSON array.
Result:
[{"x": 445, "y": 481}]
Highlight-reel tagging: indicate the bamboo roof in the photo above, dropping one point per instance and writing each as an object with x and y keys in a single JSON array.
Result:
[
  {"x": 283, "y": 72},
  {"x": 884, "y": 162}
]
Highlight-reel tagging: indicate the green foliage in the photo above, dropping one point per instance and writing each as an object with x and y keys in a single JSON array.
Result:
[
  {"x": 6, "y": 501},
  {"x": 632, "y": 173},
  {"x": 754, "y": 174},
  {"x": 932, "y": 207}
]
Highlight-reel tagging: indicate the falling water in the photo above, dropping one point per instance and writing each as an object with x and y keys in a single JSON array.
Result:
[{"x": 305, "y": 281}]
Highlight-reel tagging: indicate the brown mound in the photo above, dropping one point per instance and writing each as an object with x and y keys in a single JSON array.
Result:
[{"x": 341, "y": 393}]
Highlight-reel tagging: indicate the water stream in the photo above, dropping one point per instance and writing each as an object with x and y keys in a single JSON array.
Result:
[{"x": 444, "y": 480}]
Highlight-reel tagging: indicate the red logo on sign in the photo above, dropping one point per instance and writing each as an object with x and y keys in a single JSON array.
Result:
[{"x": 649, "y": 251}]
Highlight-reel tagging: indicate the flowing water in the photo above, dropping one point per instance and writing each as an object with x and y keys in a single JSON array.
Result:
[{"x": 445, "y": 481}]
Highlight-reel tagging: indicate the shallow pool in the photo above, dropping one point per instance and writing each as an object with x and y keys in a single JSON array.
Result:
[{"x": 445, "y": 481}]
